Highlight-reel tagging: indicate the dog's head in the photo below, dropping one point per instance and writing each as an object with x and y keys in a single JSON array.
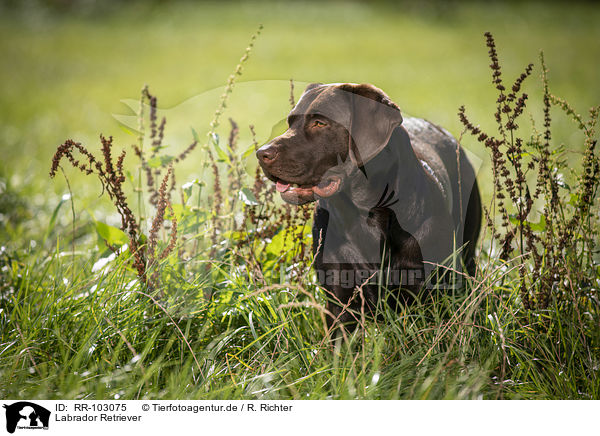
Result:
[{"x": 332, "y": 130}]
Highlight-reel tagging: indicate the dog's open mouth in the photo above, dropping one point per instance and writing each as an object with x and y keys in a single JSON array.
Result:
[{"x": 299, "y": 194}]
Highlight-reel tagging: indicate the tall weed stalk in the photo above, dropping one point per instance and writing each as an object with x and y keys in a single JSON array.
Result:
[{"x": 547, "y": 224}]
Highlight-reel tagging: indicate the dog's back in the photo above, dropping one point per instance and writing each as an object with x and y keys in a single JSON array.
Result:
[{"x": 445, "y": 161}]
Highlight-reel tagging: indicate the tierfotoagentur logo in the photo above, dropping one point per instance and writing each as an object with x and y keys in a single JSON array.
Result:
[
  {"x": 358, "y": 277},
  {"x": 26, "y": 415}
]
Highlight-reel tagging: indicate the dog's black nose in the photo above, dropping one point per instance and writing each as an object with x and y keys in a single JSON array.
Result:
[{"x": 266, "y": 154}]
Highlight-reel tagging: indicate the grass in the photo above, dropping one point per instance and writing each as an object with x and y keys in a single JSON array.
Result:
[
  {"x": 74, "y": 340},
  {"x": 76, "y": 320}
]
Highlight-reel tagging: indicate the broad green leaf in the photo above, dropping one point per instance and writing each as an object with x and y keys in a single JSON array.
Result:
[
  {"x": 187, "y": 190},
  {"x": 223, "y": 157},
  {"x": 247, "y": 197},
  {"x": 234, "y": 235},
  {"x": 126, "y": 130},
  {"x": 179, "y": 210},
  {"x": 160, "y": 161},
  {"x": 249, "y": 151},
  {"x": 278, "y": 129},
  {"x": 574, "y": 200},
  {"x": 110, "y": 234},
  {"x": 195, "y": 135},
  {"x": 129, "y": 176},
  {"x": 537, "y": 227},
  {"x": 189, "y": 186},
  {"x": 284, "y": 241}
]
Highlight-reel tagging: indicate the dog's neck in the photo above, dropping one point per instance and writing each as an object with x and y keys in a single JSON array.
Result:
[{"x": 396, "y": 167}]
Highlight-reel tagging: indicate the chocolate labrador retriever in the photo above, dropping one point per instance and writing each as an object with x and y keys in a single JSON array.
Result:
[{"x": 395, "y": 197}]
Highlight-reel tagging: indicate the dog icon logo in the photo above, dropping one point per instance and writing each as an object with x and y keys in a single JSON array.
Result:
[{"x": 26, "y": 415}]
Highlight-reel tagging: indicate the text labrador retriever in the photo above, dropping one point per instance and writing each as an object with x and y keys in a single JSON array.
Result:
[{"x": 395, "y": 196}]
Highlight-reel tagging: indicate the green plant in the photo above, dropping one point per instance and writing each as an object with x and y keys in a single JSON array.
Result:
[
  {"x": 556, "y": 252},
  {"x": 112, "y": 177}
]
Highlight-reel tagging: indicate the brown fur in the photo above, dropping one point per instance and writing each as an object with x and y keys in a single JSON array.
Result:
[{"x": 387, "y": 191}]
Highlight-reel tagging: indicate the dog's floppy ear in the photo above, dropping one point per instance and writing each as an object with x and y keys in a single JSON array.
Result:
[
  {"x": 312, "y": 86},
  {"x": 373, "y": 118}
]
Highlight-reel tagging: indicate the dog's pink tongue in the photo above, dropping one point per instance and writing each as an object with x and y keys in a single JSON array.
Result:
[{"x": 282, "y": 187}]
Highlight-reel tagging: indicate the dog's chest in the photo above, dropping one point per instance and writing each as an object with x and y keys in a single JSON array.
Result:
[{"x": 348, "y": 236}]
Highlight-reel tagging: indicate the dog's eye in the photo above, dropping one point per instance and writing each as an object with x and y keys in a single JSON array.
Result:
[{"x": 317, "y": 123}]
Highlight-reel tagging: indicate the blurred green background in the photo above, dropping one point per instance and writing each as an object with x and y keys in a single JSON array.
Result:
[{"x": 66, "y": 66}]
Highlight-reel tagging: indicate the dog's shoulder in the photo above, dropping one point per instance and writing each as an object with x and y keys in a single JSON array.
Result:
[
  {"x": 434, "y": 147},
  {"x": 426, "y": 135}
]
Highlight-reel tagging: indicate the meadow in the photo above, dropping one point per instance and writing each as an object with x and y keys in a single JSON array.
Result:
[{"x": 176, "y": 272}]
